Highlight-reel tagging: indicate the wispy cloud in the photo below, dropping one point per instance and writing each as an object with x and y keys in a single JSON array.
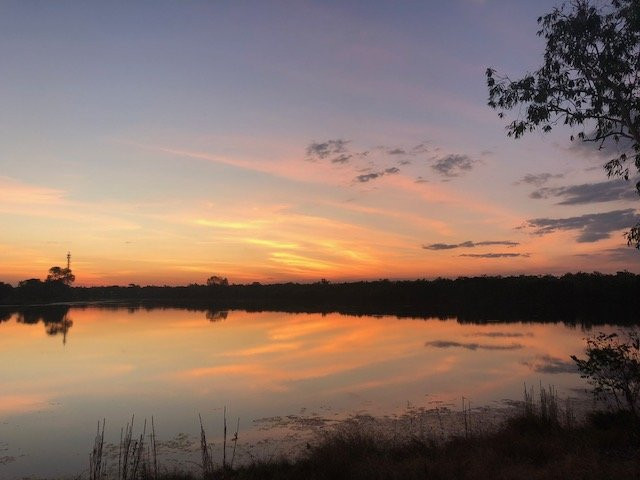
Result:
[
  {"x": 495, "y": 255},
  {"x": 322, "y": 150},
  {"x": 378, "y": 161},
  {"x": 591, "y": 227},
  {"x": 468, "y": 244},
  {"x": 367, "y": 177},
  {"x": 396, "y": 151},
  {"x": 471, "y": 345},
  {"x": 609, "y": 191},
  {"x": 538, "y": 179},
  {"x": 338, "y": 153},
  {"x": 501, "y": 334},
  {"x": 13, "y": 191},
  {"x": 343, "y": 158},
  {"x": 625, "y": 255},
  {"x": 551, "y": 365},
  {"x": 453, "y": 165}
]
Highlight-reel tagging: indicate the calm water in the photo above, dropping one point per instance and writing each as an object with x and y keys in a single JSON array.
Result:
[{"x": 277, "y": 372}]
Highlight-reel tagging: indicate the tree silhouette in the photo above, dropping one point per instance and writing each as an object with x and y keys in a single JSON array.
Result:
[
  {"x": 589, "y": 79},
  {"x": 215, "y": 280},
  {"x": 63, "y": 275},
  {"x": 5, "y": 291},
  {"x": 612, "y": 366}
]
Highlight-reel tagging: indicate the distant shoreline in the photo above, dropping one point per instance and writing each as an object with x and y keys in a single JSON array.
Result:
[{"x": 585, "y": 298}]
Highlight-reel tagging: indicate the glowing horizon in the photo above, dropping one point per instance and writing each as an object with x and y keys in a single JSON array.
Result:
[{"x": 164, "y": 144}]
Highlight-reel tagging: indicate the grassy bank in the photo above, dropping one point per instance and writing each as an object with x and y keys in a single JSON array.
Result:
[
  {"x": 542, "y": 442},
  {"x": 606, "y": 446},
  {"x": 526, "y": 447}
]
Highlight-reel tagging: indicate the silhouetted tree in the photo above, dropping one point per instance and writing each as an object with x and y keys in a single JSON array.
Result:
[
  {"x": 34, "y": 290},
  {"x": 5, "y": 291},
  {"x": 589, "y": 79},
  {"x": 63, "y": 275},
  {"x": 30, "y": 282},
  {"x": 216, "y": 280},
  {"x": 612, "y": 366}
]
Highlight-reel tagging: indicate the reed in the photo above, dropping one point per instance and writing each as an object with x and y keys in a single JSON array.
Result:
[
  {"x": 154, "y": 449},
  {"x": 224, "y": 441},
  {"x": 235, "y": 442},
  {"x": 130, "y": 456},
  {"x": 528, "y": 446},
  {"x": 96, "y": 456},
  {"x": 205, "y": 452}
]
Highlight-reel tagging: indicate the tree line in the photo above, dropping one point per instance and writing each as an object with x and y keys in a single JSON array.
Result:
[{"x": 583, "y": 298}]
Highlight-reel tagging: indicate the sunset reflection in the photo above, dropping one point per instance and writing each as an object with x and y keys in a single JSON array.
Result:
[
  {"x": 176, "y": 363},
  {"x": 304, "y": 356}
]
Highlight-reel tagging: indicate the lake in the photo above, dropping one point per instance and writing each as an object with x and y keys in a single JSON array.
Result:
[{"x": 62, "y": 370}]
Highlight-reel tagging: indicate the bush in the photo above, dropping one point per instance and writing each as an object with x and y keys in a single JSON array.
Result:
[{"x": 612, "y": 366}]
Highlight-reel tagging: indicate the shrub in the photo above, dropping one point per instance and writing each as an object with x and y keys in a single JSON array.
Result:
[{"x": 612, "y": 366}]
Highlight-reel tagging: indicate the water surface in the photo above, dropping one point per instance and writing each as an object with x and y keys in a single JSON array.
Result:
[{"x": 61, "y": 372}]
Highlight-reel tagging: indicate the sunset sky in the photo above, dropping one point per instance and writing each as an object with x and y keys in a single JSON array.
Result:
[{"x": 163, "y": 142}]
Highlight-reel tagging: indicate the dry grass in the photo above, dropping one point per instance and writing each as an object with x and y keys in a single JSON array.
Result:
[{"x": 542, "y": 442}]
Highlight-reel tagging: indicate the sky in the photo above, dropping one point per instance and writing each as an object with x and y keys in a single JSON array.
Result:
[{"x": 163, "y": 142}]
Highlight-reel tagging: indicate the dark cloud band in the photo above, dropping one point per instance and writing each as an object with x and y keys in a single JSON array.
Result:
[
  {"x": 468, "y": 244},
  {"x": 471, "y": 345},
  {"x": 592, "y": 226},
  {"x": 494, "y": 255},
  {"x": 589, "y": 192}
]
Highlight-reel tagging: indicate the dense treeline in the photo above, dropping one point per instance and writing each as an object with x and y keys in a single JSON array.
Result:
[{"x": 586, "y": 298}]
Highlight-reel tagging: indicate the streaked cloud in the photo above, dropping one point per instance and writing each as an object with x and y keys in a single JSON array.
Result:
[
  {"x": 625, "y": 255},
  {"x": 344, "y": 158},
  {"x": 367, "y": 177},
  {"x": 551, "y": 365},
  {"x": 591, "y": 227},
  {"x": 495, "y": 255},
  {"x": 468, "y": 244},
  {"x": 501, "y": 334},
  {"x": 229, "y": 224},
  {"x": 14, "y": 191},
  {"x": 609, "y": 191},
  {"x": 538, "y": 179},
  {"x": 471, "y": 345}
]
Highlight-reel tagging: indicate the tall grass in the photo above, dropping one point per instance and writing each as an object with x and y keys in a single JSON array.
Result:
[
  {"x": 138, "y": 455},
  {"x": 96, "y": 456},
  {"x": 547, "y": 410},
  {"x": 542, "y": 441},
  {"x": 205, "y": 453},
  {"x": 131, "y": 463}
]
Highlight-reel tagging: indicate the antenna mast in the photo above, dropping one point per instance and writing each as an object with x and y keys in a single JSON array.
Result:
[{"x": 68, "y": 260}]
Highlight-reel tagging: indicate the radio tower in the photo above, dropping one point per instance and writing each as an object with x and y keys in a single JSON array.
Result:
[{"x": 68, "y": 260}]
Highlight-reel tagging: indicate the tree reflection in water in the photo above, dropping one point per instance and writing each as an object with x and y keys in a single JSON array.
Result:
[{"x": 54, "y": 317}]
